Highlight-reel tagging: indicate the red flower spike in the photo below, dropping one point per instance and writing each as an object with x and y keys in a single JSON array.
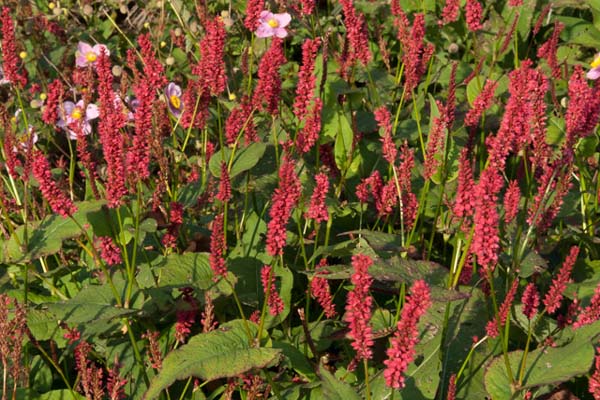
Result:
[
  {"x": 493, "y": 327},
  {"x": 383, "y": 118},
  {"x": 450, "y": 11},
  {"x": 473, "y": 15},
  {"x": 305, "y": 90},
  {"x": 358, "y": 308},
  {"x": 253, "y": 10},
  {"x": 511, "y": 201},
  {"x": 402, "y": 350},
  {"x": 486, "y": 242},
  {"x": 218, "y": 247},
  {"x": 224, "y": 184},
  {"x": 531, "y": 301},
  {"x": 274, "y": 302},
  {"x": 594, "y": 381},
  {"x": 554, "y": 296},
  {"x": 318, "y": 209},
  {"x": 268, "y": 88},
  {"x": 285, "y": 199},
  {"x": 59, "y": 202},
  {"x": 549, "y": 48},
  {"x": 482, "y": 102},
  {"x": 111, "y": 122},
  {"x": 319, "y": 290},
  {"x": 10, "y": 54}
]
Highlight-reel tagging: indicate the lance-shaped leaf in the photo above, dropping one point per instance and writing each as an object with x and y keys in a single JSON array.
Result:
[
  {"x": 243, "y": 159},
  {"x": 222, "y": 353}
]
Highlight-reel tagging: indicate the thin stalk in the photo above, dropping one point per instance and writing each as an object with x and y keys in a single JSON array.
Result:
[
  {"x": 185, "y": 388},
  {"x": 135, "y": 244},
  {"x": 56, "y": 367},
  {"x": 464, "y": 364},
  {"x": 525, "y": 353},
  {"x": 367, "y": 384},
  {"x": 463, "y": 258},
  {"x": 502, "y": 337},
  {"x": 241, "y": 310}
]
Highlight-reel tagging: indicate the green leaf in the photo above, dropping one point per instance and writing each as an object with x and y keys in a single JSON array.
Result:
[
  {"x": 42, "y": 373},
  {"x": 545, "y": 365},
  {"x": 474, "y": 87},
  {"x": 451, "y": 166},
  {"x": 43, "y": 325},
  {"x": 222, "y": 353},
  {"x": 587, "y": 146},
  {"x": 190, "y": 269},
  {"x": 579, "y": 31},
  {"x": 45, "y": 237},
  {"x": 380, "y": 241},
  {"x": 243, "y": 159},
  {"x": 296, "y": 359},
  {"x": 342, "y": 131},
  {"x": 334, "y": 389},
  {"x": 532, "y": 263},
  {"x": 94, "y": 309},
  {"x": 179, "y": 56},
  {"x": 467, "y": 319},
  {"x": 188, "y": 195}
]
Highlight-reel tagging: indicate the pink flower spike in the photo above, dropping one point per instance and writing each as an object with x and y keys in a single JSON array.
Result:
[
  {"x": 87, "y": 55},
  {"x": 594, "y": 73},
  {"x": 273, "y": 24}
]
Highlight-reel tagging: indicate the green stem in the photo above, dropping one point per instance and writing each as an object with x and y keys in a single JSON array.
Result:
[
  {"x": 367, "y": 383},
  {"x": 525, "y": 353}
]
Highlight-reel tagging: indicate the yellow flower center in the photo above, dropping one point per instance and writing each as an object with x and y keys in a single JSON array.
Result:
[
  {"x": 596, "y": 62},
  {"x": 77, "y": 113},
  {"x": 91, "y": 56},
  {"x": 273, "y": 23},
  {"x": 175, "y": 102}
]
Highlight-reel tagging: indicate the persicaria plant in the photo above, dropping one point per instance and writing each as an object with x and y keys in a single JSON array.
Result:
[{"x": 300, "y": 200}]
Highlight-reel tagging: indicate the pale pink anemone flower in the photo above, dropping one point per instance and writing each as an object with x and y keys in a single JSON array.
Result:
[
  {"x": 594, "y": 73},
  {"x": 70, "y": 113},
  {"x": 273, "y": 24},
  {"x": 175, "y": 104},
  {"x": 87, "y": 55}
]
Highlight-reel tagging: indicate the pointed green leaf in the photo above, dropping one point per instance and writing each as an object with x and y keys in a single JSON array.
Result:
[
  {"x": 222, "y": 353},
  {"x": 243, "y": 159}
]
